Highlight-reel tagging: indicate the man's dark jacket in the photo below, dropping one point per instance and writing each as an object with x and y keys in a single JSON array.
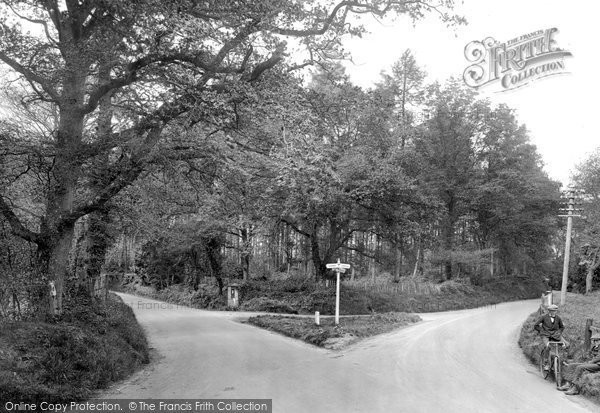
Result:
[{"x": 547, "y": 328}]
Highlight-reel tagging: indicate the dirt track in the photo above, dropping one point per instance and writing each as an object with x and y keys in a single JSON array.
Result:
[{"x": 462, "y": 361}]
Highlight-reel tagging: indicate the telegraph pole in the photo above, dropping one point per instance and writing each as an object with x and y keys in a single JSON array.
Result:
[{"x": 572, "y": 196}]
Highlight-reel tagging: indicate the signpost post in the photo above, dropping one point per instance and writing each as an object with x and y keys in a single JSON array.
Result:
[{"x": 338, "y": 268}]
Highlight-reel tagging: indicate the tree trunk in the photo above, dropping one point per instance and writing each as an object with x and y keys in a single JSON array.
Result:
[
  {"x": 97, "y": 235},
  {"x": 398, "y": 269},
  {"x": 448, "y": 237},
  {"x": 319, "y": 264},
  {"x": 56, "y": 233},
  {"x": 95, "y": 244},
  {"x": 414, "y": 274},
  {"x": 215, "y": 259},
  {"x": 245, "y": 253},
  {"x": 53, "y": 261},
  {"x": 590, "y": 272}
]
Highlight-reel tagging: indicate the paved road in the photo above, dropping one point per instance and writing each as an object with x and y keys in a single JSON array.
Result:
[{"x": 461, "y": 361}]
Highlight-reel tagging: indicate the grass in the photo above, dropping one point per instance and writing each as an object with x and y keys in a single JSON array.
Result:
[
  {"x": 327, "y": 334},
  {"x": 90, "y": 347},
  {"x": 574, "y": 313},
  {"x": 303, "y": 296},
  {"x": 206, "y": 297}
]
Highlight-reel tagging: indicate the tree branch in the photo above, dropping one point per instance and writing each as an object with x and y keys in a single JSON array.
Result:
[
  {"x": 44, "y": 23},
  {"x": 210, "y": 67},
  {"x": 275, "y": 58},
  {"x": 133, "y": 163},
  {"x": 295, "y": 227},
  {"x": 30, "y": 75},
  {"x": 354, "y": 7},
  {"x": 17, "y": 227},
  {"x": 131, "y": 74},
  {"x": 360, "y": 251}
]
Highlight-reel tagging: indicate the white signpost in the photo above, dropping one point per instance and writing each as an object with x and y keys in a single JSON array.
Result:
[{"x": 338, "y": 268}]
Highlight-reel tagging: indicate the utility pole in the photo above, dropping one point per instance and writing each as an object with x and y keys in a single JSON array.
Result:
[{"x": 572, "y": 195}]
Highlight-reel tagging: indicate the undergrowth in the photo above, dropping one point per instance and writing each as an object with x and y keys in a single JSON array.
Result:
[
  {"x": 92, "y": 345},
  {"x": 303, "y": 296}
]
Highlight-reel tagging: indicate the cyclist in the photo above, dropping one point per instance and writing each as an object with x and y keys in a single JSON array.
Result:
[{"x": 550, "y": 327}]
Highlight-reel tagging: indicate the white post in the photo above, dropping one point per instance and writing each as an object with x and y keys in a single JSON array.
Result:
[
  {"x": 317, "y": 318},
  {"x": 337, "y": 297},
  {"x": 338, "y": 268}
]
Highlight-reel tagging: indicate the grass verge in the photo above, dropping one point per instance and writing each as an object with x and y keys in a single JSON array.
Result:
[
  {"x": 90, "y": 347},
  {"x": 574, "y": 313},
  {"x": 303, "y": 296},
  {"x": 327, "y": 334}
]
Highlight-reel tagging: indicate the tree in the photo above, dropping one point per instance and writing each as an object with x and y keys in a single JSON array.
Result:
[
  {"x": 514, "y": 200},
  {"x": 587, "y": 177},
  {"x": 341, "y": 174},
  {"x": 447, "y": 151},
  {"x": 401, "y": 92},
  {"x": 168, "y": 61},
  {"x": 490, "y": 181},
  {"x": 405, "y": 85}
]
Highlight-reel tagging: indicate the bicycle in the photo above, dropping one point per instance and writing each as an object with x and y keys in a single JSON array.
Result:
[{"x": 554, "y": 361}]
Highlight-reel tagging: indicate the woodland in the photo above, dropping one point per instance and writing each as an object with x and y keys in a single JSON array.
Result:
[{"x": 191, "y": 142}]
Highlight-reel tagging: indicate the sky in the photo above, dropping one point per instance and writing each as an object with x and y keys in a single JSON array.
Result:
[{"x": 559, "y": 111}]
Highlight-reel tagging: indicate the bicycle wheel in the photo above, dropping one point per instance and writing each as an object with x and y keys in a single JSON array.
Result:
[
  {"x": 544, "y": 372},
  {"x": 557, "y": 370}
]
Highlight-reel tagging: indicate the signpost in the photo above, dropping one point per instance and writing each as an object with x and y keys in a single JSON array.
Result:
[{"x": 338, "y": 268}]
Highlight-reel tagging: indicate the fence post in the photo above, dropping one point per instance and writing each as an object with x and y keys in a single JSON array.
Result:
[{"x": 587, "y": 337}]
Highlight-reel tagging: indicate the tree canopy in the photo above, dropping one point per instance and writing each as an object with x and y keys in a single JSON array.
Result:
[{"x": 188, "y": 127}]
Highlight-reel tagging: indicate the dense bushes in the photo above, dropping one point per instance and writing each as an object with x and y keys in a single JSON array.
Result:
[
  {"x": 92, "y": 346},
  {"x": 304, "y": 296},
  {"x": 206, "y": 296}
]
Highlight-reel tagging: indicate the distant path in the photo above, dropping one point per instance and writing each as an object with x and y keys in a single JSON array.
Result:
[{"x": 459, "y": 361}]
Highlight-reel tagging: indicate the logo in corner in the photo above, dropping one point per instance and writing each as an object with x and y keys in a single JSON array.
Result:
[{"x": 514, "y": 63}]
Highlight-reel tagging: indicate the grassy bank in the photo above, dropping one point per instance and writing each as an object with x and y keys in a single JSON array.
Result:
[
  {"x": 574, "y": 313},
  {"x": 327, "y": 334},
  {"x": 303, "y": 296},
  {"x": 90, "y": 347}
]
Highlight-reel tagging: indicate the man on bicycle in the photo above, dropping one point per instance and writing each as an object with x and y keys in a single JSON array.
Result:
[{"x": 550, "y": 327}]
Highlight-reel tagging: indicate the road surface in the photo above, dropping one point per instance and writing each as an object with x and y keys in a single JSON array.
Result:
[{"x": 459, "y": 361}]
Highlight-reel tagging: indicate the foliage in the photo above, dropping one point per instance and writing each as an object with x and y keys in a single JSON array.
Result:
[
  {"x": 489, "y": 179},
  {"x": 138, "y": 72},
  {"x": 66, "y": 362},
  {"x": 587, "y": 229},
  {"x": 466, "y": 192},
  {"x": 189, "y": 133},
  {"x": 303, "y": 296}
]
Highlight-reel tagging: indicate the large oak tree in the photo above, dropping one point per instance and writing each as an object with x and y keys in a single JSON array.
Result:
[{"x": 175, "y": 61}]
